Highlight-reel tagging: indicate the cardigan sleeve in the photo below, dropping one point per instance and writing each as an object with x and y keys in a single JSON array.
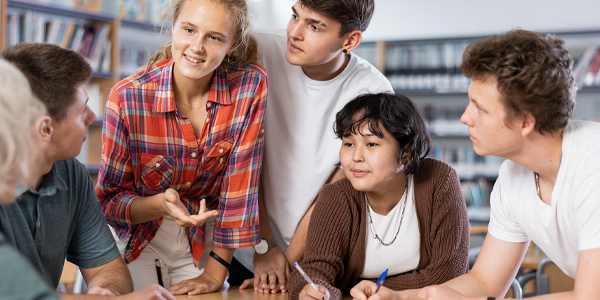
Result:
[
  {"x": 328, "y": 242},
  {"x": 447, "y": 237}
]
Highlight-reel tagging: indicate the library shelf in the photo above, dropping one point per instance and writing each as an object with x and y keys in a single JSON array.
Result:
[{"x": 15, "y": 13}]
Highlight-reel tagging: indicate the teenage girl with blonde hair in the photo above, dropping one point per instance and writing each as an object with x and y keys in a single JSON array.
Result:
[{"x": 183, "y": 143}]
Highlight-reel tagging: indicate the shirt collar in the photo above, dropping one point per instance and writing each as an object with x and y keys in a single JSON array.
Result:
[
  {"x": 51, "y": 182},
  {"x": 164, "y": 99}
]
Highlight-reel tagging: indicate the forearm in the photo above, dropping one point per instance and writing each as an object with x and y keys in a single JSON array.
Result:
[
  {"x": 144, "y": 209},
  {"x": 295, "y": 250},
  {"x": 263, "y": 217},
  {"x": 472, "y": 285},
  {"x": 214, "y": 268},
  {"x": 88, "y": 297},
  {"x": 113, "y": 276},
  {"x": 82, "y": 297}
]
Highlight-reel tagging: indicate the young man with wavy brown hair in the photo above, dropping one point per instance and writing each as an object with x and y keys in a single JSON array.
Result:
[{"x": 521, "y": 99}]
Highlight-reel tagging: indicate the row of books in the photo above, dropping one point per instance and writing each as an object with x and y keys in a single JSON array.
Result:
[
  {"x": 90, "y": 39},
  {"x": 477, "y": 192},
  {"x": 586, "y": 72},
  {"x": 424, "y": 58},
  {"x": 477, "y": 198},
  {"x": 368, "y": 52},
  {"x": 443, "y": 120},
  {"x": 145, "y": 11},
  {"x": 132, "y": 58},
  {"x": 421, "y": 66},
  {"x": 439, "y": 83},
  {"x": 466, "y": 162}
]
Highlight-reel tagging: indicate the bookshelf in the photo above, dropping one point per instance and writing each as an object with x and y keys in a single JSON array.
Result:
[
  {"x": 428, "y": 72},
  {"x": 99, "y": 30}
]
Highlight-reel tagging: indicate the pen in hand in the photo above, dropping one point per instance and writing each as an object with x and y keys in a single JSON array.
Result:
[
  {"x": 380, "y": 280},
  {"x": 157, "y": 263},
  {"x": 306, "y": 276}
]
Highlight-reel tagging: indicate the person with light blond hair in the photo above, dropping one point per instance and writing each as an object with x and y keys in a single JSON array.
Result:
[
  {"x": 16, "y": 117},
  {"x": 16, "y": 120}
]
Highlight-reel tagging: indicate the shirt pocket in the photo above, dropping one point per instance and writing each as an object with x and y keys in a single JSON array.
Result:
[
  {"x": 217, "y": 156},
  {"x": 157, "y": 171}
]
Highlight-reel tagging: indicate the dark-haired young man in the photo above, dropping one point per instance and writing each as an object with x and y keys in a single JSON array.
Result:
[
  {"x": 522, "y": 96},
  {"x": 312, "y": 75},
  {"x": 60, "y": 216}
]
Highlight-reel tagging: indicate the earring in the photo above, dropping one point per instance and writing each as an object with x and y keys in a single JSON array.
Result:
[{"x": 345, "y": 51}]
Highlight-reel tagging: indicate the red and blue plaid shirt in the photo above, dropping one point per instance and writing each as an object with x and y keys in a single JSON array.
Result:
[{"x": 148, "y": 146}]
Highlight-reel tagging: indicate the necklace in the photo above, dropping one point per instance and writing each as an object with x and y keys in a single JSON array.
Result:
[
  {"x": 372, "y": 227},
  {"x": 536, "y": 176},
  {"x": 190, "y": 105}
]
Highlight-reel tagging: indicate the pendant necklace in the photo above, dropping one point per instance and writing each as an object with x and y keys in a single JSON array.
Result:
[
  {"x": 372, "y": 227},
  {"x": 536, "y": 176}
]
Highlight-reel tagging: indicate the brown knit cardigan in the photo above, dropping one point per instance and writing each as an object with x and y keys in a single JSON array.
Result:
[{"x": 335, "y": 246}]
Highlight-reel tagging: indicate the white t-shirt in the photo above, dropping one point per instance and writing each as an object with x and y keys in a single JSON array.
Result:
[
  {"x": 301, "y": 149},
  {"x": 572, "y": 223},
  {"x": 401, "y": 256}
]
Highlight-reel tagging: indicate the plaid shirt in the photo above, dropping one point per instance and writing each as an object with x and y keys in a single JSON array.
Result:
[{"x": 148, "y": 146}]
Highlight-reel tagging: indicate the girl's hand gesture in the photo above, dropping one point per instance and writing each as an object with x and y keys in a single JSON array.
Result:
[{"x": 175, "y": 208}]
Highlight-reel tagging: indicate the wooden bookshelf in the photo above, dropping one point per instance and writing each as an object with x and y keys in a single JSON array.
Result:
[{"x": 104, "y": 78}]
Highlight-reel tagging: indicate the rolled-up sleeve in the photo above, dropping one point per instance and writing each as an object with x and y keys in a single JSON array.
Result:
[{"x": 236, "y": 225}]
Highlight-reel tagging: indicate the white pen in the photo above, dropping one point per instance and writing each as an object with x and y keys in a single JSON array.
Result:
[{"x": 305, "y": 276}]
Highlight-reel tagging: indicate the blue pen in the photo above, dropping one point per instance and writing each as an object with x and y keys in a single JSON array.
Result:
[
  {"x": 305, "y": 276},
  {"x": 380, "y": 280}
]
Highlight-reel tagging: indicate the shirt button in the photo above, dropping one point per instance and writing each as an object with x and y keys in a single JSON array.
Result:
[
  {"x": 188, "y": 183},
  {"x": 206, "y": 120},
  {"x": 194, "y": 154},
  {"x": 39, "y": 223},
  {"x": 262, "y": 131},
  {"x": 157, "y": 165},
  {"x": 220, "y": 150},
  {"x": 208, "y": 104},
  {"x": 145, "y": 243}
]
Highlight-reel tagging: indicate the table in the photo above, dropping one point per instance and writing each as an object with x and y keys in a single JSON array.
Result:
[{"x": 236, "y": 294}]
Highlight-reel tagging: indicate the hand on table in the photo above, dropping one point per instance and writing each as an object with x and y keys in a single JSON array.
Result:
[
  {"x": 151, "y": 292},
  {"x": 175, "y": 208},
  {"x": 199, "y": 285},
  {"x": 271, "y": 271},
  {"x": 366, "y": 290},
  {"x": 309, "y": 293}
]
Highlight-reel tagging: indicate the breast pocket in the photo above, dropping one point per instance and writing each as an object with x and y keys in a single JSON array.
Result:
[
  {"x": 157, "y": 171},
  {"x": 217, "y": 156}
]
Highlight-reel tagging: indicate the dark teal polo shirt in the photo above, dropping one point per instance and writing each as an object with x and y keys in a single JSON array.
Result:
[
  {"x": 61, "y": 219},
  {"x": 18, "y": 279}
]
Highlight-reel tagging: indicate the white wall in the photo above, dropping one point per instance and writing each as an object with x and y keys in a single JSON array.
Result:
[{"x": 415, "y": 19}]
